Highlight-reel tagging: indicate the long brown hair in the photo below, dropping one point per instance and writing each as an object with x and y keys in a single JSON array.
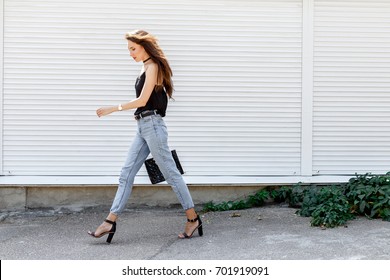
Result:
[{"x": 149, "y": 42}]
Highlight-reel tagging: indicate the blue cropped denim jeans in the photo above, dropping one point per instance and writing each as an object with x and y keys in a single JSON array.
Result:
[{"x": 151, "y": 137}]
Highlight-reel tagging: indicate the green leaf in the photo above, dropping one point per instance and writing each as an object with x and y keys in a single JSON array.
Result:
[{"x": 362, "y": 206}]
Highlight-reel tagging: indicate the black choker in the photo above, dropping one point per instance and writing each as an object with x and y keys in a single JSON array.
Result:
[{"x": 147, "y": 59}]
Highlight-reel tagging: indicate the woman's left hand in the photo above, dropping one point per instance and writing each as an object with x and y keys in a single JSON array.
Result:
[{"x": 105, "y": 111}]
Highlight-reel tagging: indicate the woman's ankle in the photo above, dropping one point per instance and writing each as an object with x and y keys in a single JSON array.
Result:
[
  {"x": 191, "y": 214},
  {"x": 112, "y": 217}
]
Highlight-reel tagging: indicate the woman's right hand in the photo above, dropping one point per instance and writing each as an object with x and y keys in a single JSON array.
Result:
[{"x": 104, "y": 111}]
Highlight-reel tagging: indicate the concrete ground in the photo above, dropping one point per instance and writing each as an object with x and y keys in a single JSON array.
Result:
[{"x": 148, "y": 233}]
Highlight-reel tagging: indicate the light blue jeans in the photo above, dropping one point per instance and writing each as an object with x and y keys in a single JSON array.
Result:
[{"x": 151, "y": 137}]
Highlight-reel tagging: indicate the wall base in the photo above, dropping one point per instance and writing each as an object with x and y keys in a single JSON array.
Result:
[{"x": 78, "y": 197}]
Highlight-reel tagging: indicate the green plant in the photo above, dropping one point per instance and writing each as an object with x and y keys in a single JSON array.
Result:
[
  {"x": 292, "y": 195},
  {"x": 331, "y": 213},
  {"x": 369, "y": 195},
  {"x": 310, "y": 199},
  {"x": 258, "y": 199},
  {"x": 282, "y": 194},
  {"x": 328, "y": 206},
  {"x": 225, "y": 206}
]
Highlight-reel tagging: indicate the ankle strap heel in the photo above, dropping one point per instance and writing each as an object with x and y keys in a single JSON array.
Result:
[
  {"x": 193, "y": 220},
  {"x": 110, "y": 222},
  {"x": 110, "y": 232},
  {"x": 199, "y": 228}
]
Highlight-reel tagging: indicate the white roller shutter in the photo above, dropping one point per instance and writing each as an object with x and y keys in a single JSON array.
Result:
[
  {"x": 351, "y": 131},
  {"x": 237, "y": 72}
]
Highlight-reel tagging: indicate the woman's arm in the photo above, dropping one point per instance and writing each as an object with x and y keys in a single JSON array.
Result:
[{"x": 150, "y": 83}]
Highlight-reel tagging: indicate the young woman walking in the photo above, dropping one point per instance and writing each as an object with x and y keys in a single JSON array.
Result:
[{"x": 153, "y": 88}]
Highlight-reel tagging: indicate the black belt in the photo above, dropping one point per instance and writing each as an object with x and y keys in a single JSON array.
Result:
[{"x": 146, "y": 114}]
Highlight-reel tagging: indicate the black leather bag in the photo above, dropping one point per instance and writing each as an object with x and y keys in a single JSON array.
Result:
[{"x": 154, "y": 172}]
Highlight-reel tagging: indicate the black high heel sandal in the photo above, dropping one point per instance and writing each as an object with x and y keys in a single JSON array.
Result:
[
  {"x": 199, "y": 228},
  {"x": 110, "y": 233}
]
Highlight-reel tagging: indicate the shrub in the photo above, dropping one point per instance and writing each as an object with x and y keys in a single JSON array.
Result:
[
  {"x": 258, "y": 199},
  {"x": 328, "y": 206},
  {"x": 369, "y": 195}
]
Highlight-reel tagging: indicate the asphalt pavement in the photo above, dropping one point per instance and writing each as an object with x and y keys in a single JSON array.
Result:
[{"x": 271, "y": 232}]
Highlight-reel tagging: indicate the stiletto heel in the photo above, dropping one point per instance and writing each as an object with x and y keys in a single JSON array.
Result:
[
  {"x": 110, "y": 233},
  {"x": 199, "y": 228}
]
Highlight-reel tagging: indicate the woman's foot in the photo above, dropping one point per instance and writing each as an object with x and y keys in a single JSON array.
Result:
[
  {"x": 191, "y": 227},
  {"x": 107, "y": 227},
  {"x": 101, "y": 230}
]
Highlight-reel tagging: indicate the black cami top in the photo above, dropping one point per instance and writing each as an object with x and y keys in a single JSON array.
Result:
[{"x": 158, "y": 99}]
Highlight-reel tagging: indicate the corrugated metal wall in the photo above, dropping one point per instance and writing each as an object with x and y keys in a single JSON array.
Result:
[
  {"x": 238, "y": 78},
  {"x": 351, "y": 131}
]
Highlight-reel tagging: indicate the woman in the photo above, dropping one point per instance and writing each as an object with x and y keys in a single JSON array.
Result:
[{"x": 153, "y": 88}]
